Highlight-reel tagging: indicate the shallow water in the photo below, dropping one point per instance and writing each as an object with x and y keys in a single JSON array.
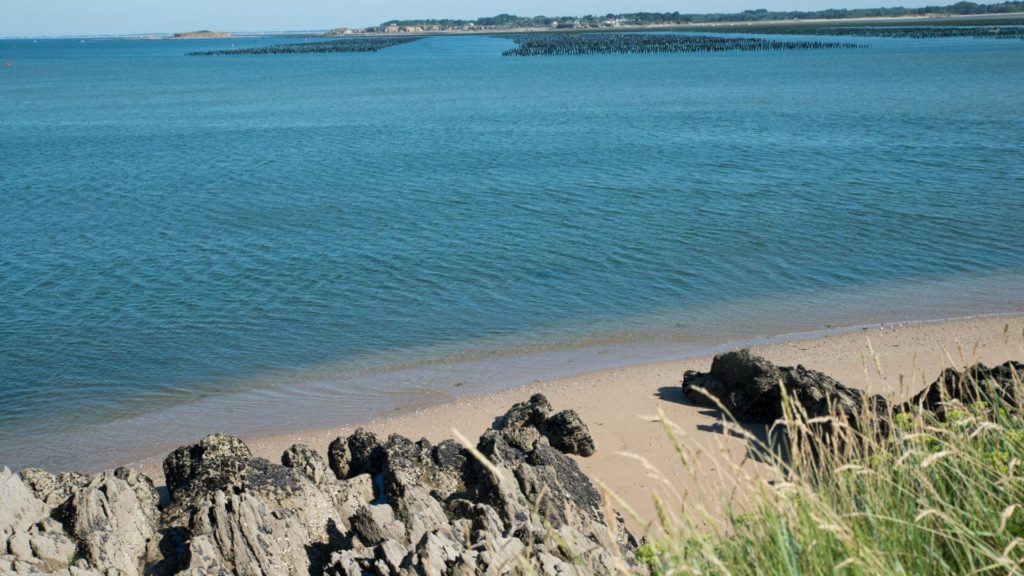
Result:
[{"x": 260, "y": 244}]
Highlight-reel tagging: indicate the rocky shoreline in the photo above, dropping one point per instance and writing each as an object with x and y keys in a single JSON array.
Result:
[
  {"x": 381, "y": 507},
  {"x": 396, "y": 506}
]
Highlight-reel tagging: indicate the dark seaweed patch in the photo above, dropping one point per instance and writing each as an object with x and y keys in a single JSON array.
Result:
[
  {"x": 371, "y": 44},
  {"x": 612, "y": 43},
  {"x": 977, "y": 32}
]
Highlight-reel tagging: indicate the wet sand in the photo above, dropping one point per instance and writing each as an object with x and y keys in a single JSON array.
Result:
[{"x": 635, "y": 457}]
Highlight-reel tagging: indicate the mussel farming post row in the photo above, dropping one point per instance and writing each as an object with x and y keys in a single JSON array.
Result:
[
  {"x": 917, "y": 32},
  {"x": 334, "y": 46},
  {"x": 628, "y": 43}
]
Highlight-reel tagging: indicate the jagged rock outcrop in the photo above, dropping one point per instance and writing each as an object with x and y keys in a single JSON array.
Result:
[
  {"x": 750, "y": 388},
  {"x": 373, "y": 506},
  {"x": 242, "y": 534},
  {"x": 21, "y": 508},
  {"x": 564, "y": 430},
  {"x": 440, "y": 511},
  {"x": 32, "y": 542},
  {"x": 114, "y": 518}
]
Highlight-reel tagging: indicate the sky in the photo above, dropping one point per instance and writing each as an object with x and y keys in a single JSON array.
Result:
[{"x": 96, "y": 17}]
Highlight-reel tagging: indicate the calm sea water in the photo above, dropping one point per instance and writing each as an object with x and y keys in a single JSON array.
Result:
[{"x": 262, "y": 244}]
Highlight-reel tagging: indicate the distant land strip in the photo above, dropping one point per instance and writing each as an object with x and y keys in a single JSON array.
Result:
[{"x": 641, "y": 19}]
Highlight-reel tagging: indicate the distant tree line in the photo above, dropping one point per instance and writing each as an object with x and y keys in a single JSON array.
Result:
[{"x": 647, "y": 18}]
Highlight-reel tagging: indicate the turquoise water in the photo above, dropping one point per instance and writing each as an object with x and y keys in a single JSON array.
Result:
[{"x": 262, "y": 244}]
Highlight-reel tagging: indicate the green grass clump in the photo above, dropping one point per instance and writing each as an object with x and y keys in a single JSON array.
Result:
[{"x": 905, "y": 494}]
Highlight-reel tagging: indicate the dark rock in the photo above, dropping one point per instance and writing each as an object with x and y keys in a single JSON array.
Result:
[
  {"x": 976, "y": 384},
  {"x": 215, "y": 463},
  {"x": 750, "y": 388},
  {"x": 394, "y": 507},
  {"x": 533, "y": 412},
  {"x": 365, "y": 453},
  {"x": 451, "y": 456},
  {"x": 567, "y": 432},
  {"x": 526, "y": 422},
  {"x": 339, "y": 458}
]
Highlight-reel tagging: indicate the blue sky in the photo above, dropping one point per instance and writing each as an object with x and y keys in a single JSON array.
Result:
[{"x": 69, "y": 17}]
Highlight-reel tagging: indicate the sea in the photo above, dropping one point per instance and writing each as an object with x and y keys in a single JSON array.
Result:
[{"x": 266, "y": 244}]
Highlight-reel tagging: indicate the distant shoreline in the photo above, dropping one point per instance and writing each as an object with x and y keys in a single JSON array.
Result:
[
  {"x": 716, "y": 26},
  {"x": 704, "y": 26}
]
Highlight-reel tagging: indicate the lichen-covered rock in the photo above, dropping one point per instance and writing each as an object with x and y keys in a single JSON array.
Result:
[
  {"x": 405, "y": 464},
  {"x": 240, "y": 534},
  {"x": 293, "y": 515},
  {"x": 54, "y": 490},
  {"x": 44, "y": 546},
  {"x": 526, "y": 422},
  {"x": 307, "y": 461},
  {"x": 450, "y": 457},
  {"x": 375, "y": 523},
  {"x": 19, "y": 507},
  {"x": 113, "y": 518},
  {"x": 31, "y": 542},
  {"x": 193, "y": 473}
]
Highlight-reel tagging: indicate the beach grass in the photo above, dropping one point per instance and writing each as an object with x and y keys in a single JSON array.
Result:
[{"x": 903, "y": 494}]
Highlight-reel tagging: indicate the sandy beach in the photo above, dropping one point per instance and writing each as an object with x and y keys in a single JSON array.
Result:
[{"x": 635, "y": 457}]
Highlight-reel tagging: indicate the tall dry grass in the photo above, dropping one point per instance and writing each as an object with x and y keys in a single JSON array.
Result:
[
  {"x": 904, "y": 492},
  {"x": 898, "y": 493}
]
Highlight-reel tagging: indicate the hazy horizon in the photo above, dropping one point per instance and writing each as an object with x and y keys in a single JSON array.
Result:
[{"x": 35, "y": 18}]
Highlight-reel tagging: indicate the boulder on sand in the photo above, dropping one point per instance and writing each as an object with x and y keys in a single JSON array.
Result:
[{"x": 750, "y": 388}]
